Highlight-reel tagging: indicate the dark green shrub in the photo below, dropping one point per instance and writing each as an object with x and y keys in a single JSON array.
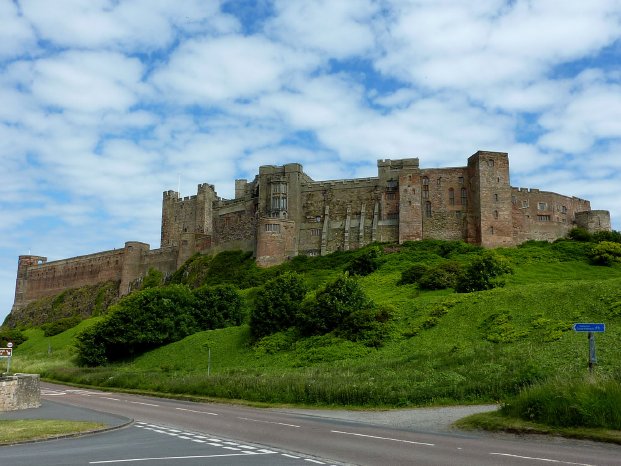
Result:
[
  {"x": 367, "y": 325},
  {"x": 413, "y": 273},
  {"x": 332, "y": 305},
  {"x": 54, "y": 328},
  {"x": 366, "y": 263},
  {"x": 483, "y": 273},
  {"x": 12, "y": 335},
  {"x": 277, "y": 303},
  {"x": 440, "y": 277},
  {"x": 605, "y": 253},
  {"x": 139, "y": 322},
  {"x": 217, "y": 307},
  {"x": 612, "y": 236},
  {"x": 152, "y": 279},
  {"x": 579, "y": 234}
]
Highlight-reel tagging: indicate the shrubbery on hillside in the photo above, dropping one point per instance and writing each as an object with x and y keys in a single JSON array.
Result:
[
  {"x": 483, "y": 273},
  {"x": 153, "y": 317},
  {"x": 277, "y": 303},
  {"x": 605, "y": 253}
]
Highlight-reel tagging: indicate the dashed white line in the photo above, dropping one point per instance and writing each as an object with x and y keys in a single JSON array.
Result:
[
  {"x": 194, "y": 411},
  {"x": 268, "y": 422},
  {"x": 108, "y": 398},
  {"x": 313, "y": 461},
  {"x": 291, "y": 456},
  {"x": 166, "y": 458},
  {"x": 384, "y": 438},
  {"x": 145, "y": 404},
  {"x": 547, "y": 460}
]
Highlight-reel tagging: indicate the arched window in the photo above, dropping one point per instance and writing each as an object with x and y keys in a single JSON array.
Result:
[
  {"x": 451, "y": 196},
  {"x": 428, "y": 209},
  {"x": 425, "y": 187},
  {"x": 464, "y": 196}
]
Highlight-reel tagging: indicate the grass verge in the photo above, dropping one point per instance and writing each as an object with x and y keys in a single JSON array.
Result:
[
  {"x": 497, "y": 422},
  {"x": 15, "y": 431}
]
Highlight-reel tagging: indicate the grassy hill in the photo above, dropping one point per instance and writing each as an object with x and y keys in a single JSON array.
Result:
[{"x": 443, "y": 347}]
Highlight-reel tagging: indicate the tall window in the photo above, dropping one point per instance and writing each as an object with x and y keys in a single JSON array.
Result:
[
  {"x": 451, "y": 196},
  {"x": 428, "y": 209},
  {"x": 425, "y": 187},
  {"x": 464, "y": 196},
  {"x": 279, "y": 196}
]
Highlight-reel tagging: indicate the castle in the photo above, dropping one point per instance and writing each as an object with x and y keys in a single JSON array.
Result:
[{"x": 283, "y": 213}]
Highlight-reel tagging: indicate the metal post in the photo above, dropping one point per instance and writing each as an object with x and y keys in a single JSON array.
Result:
[
  {"x": 8, "y": 366},
  {"x": 208, "y": 361},
  {"x": 592, "y": 356}
]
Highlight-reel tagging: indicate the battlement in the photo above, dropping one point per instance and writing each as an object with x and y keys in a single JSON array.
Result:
[{"x": 398, "y": 164}]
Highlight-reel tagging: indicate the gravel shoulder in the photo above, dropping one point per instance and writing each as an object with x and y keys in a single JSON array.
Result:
[{"x": 417, "y": 419}]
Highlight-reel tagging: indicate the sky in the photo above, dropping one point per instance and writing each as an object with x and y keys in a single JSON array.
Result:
[{"x": 105, "y": 104}]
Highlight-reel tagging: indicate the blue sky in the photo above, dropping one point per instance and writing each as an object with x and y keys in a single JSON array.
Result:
[{"x": 105, "y": 104}]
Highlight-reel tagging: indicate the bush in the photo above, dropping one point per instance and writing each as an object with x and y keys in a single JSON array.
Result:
[
  {"x": 366, "y": 263},
  {"x": 413, "y": 274},
  {"x": 612, "y": 236},
  {"x": 217, "y": 307},
  {"x": 11, "y": 335},
  {"x": 54, "y": 328},
  {"x": 443, "y": 276},
  {"x": 605, "y": 253},
  {"x": 483, "y": 273},
  {"x": 152, "y": 279},
  {"x": 139, "y": 322},
  {"x": 579, "y": 234},
  {"x": 277, "y": 303},
  {"x": 343, "y": 307}
]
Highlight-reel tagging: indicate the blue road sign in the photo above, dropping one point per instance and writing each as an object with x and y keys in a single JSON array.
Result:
[{"x": 590, "y": 327}]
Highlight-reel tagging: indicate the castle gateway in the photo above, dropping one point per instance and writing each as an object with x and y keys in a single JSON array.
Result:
[{"x": 283, "y": 213}]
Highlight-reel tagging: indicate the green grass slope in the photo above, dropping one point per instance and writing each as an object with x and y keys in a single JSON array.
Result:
[{"x": 443, "y": 347}]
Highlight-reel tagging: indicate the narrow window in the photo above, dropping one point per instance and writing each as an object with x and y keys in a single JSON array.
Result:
[
  {"x": 451, "y": 196},
  {"x": 461, "y": 180},
  {"x": 428, "y": 209},
  {"x": 464, "y": 196},
  {"x": 425, "y": 187},
  {"x": 542, "y": 206},
  {"x": 496, "y": 214},
  {"x": 496, "y": 197},
  {"x": 315, "y": 232}
]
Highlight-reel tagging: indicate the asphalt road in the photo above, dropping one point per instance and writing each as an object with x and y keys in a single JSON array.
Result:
[{"x": 324, "y": 439}]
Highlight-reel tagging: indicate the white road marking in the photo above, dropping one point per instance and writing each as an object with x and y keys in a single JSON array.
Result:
[
  {"x": 108, "y": 398},
  {"x": 268, "y": 422},
  {"x": 547, "y": 460},
  {"x": 291, "y": 456},
  {"x": 194, "y": 411},
  {"x": 313, "y": 461},
  {"x": 145, "y": 404},
  {"x": 166, "y": 458},
  {"x": 384, "y": 438}
]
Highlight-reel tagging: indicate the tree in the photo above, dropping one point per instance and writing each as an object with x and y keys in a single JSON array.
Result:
[
  {"x": 217, "y": 307},
  {"x": 366, "y": 263},
  {"x": 277, "y": 303},
  {"x": 605, "y": 253},
  {"x": 483, "y": 273}
]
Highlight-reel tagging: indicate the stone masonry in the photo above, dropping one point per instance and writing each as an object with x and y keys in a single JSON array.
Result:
[{"x": 283, "y": 213}]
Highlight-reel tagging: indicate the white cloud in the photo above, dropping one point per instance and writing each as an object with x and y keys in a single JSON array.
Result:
[
  {"x": 87, "y": 81},
  {"x": 127, "y": 25},
  {"x": 208, "y": 70},
  {"x": 16, "y": 35},
  {"x": 337, "y": 29}
]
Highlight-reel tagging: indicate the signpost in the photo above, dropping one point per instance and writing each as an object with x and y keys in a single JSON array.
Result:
[
  {"x": 591, "y": 329},
  {"x": 7, "y": 353}
]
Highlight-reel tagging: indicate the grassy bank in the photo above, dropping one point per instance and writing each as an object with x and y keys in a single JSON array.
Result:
[
  {"x": 442, "y": 347},
  {"x": 41, "y": 429}
]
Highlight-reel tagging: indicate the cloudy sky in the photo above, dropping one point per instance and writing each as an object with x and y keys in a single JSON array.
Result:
[{"x": 104, "y": 104}]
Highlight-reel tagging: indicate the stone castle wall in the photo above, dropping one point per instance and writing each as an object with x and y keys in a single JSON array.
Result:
[{"x": 283, "y": 213}]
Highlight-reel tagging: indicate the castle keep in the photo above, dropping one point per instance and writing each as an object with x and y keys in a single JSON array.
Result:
[{"x": 283, "y": 213}]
